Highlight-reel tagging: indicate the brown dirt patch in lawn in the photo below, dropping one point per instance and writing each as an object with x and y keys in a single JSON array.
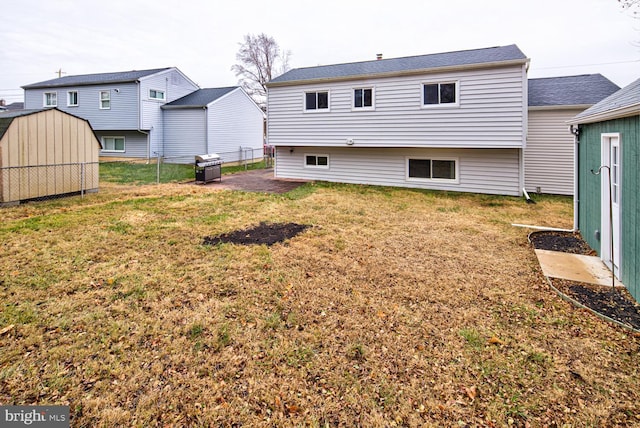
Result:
[
  {"x": 616, "y": 304},
  {"x": 264, "y": 233}
]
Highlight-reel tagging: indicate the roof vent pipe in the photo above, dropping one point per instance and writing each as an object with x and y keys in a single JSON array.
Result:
[{"x": 378, "y": 56}]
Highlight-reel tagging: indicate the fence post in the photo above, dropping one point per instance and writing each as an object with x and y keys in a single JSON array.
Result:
[
  {"x": 82, "y": 172},
  {"x": 158, "y": 170}
]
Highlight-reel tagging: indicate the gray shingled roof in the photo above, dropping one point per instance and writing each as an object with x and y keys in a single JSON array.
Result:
[
  {"x": 93, "y": 79},
  {"x": 405, "y": 64},
  {"x": 200, "y": 98},
  {"x": 585, "y": 89},
  {"x": 626, "y": 97}
]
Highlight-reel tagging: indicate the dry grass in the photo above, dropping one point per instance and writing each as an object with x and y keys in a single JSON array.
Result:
[{"x": 397, "y": 308}]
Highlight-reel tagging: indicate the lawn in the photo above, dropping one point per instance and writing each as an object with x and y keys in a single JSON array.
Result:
[
  {"x": 394, "y": 308},
  {"x": 146, "y": 173}
]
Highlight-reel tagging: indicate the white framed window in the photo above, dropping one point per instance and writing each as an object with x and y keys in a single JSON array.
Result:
[
  {"x": 432, "y": 169},
  {"x": 156, "y": 94},
  {"x": 443, "y": 94},
  {"x": 105, "y": 100},
  {"x": 363, "y": 99},
  {"x": 50, "y": 99},
  {"x": 72, "y": 98},
  {"x": 312, "y": 160},
  {"x": 316, "y": 101},
  {"x": 113, "y": 144}
]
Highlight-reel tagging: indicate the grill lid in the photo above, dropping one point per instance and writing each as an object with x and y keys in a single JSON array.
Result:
[{"x": 208, "y": 159}]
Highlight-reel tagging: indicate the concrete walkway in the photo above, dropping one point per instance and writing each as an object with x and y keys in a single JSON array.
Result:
[{"x": 575, "y": 267}]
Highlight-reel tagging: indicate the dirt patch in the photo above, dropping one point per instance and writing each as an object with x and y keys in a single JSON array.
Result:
[
  {"x": 616, "y": 304},
  {"x": 264, "y": 233},
  {"x": 566, "y": 242}
]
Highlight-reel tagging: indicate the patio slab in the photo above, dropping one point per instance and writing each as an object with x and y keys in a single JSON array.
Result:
[{"x": 575, "y": 267}]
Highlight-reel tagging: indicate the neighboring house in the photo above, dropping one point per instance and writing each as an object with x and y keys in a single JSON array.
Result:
[
  {"x": 222, "y": 120},
  {"x": 123, "y": 108},
  {"x": 452, "y": 121},
  {"x": 45, "y": 153},
  {"x": 15, "y": 106},
  {"x": 609, "y": 136},
  {"x": 548, "y": 156}
]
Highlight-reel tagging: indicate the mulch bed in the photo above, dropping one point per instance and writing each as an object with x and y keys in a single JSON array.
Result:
[
  {"x": 264, "y": 233},
  {"x": 616, "y": 304}
]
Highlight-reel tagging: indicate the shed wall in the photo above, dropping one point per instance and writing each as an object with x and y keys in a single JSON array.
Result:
[
  {"x": 41, "y": 155},
  {"x": 589, "y": 211}
]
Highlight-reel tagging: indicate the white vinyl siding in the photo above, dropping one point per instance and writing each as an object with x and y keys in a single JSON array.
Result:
[
  {"x": 135, "y": 144},
  {"x": 235, "y": 121},
  {"x": 492, "y": 113},
  {"x": 185, "y": 134},
  {"x": 229, "y": 124},
  {"x": 491, "y": 171},
  {"x": 548, "y": 157}
]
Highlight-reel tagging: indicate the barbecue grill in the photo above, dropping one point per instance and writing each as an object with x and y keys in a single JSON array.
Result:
[{"x": 208, "y": 168}]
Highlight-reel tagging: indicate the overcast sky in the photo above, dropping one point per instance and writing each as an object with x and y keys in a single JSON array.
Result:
[{"x": 201, "y": 37}]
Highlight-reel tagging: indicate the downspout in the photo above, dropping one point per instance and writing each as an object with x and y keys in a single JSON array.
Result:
[
  {"x": 206, "y": 129},
  {"x": 576, "y": 201}
]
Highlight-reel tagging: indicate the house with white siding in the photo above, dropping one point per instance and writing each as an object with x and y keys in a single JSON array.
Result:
[
  {"x": 454, "y": 121},
  {"x": 549, "y": 154},
  {"x": 222, "y": 120}
]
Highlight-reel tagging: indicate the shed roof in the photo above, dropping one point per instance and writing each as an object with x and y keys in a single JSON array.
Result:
[
  {"x": 7, "y": 117},
  {"x": 623, "y": 103},
  {"x": 200, "y": 98},
  {"x": 93, "y": 79},
  {"x": 584, "y": 89},
  {"x": 393, "y": 66}
]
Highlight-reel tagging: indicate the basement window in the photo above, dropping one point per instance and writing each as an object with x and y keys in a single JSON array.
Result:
[
  {"x": 420, "y": 169},
  {"x": 113, "y": 144},
  {"x": 316, "y": 161}
]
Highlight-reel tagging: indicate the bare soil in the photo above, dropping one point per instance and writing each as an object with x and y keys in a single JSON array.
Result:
[
  {"x": 616, "y": 304},
  {"x": 264, "y": 233}
]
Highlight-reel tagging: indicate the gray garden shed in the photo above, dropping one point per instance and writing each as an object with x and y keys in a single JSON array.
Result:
[{"x": 46, "y": 153}]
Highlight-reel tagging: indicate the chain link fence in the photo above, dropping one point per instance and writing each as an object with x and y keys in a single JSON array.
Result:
[{"x": 40, "y": 182}]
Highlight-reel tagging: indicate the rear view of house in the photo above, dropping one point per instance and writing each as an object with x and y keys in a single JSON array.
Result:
[
  {"x": 451, "y": 121},
  {"x": 122, "y": 107},
  {"x": 548, "y": 157}
]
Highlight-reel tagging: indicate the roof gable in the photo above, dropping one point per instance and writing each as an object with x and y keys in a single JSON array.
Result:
[
  {"x": 95, "y": 79},
  {"x": 200, "y": 98},
  {"x": 585, "y": 89},
  {"x": 625, "y": 102},
  {"x": 402, "y": 65}
]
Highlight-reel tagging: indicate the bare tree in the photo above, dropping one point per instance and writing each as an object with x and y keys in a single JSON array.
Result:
[{"x": 260, "y": 60}]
